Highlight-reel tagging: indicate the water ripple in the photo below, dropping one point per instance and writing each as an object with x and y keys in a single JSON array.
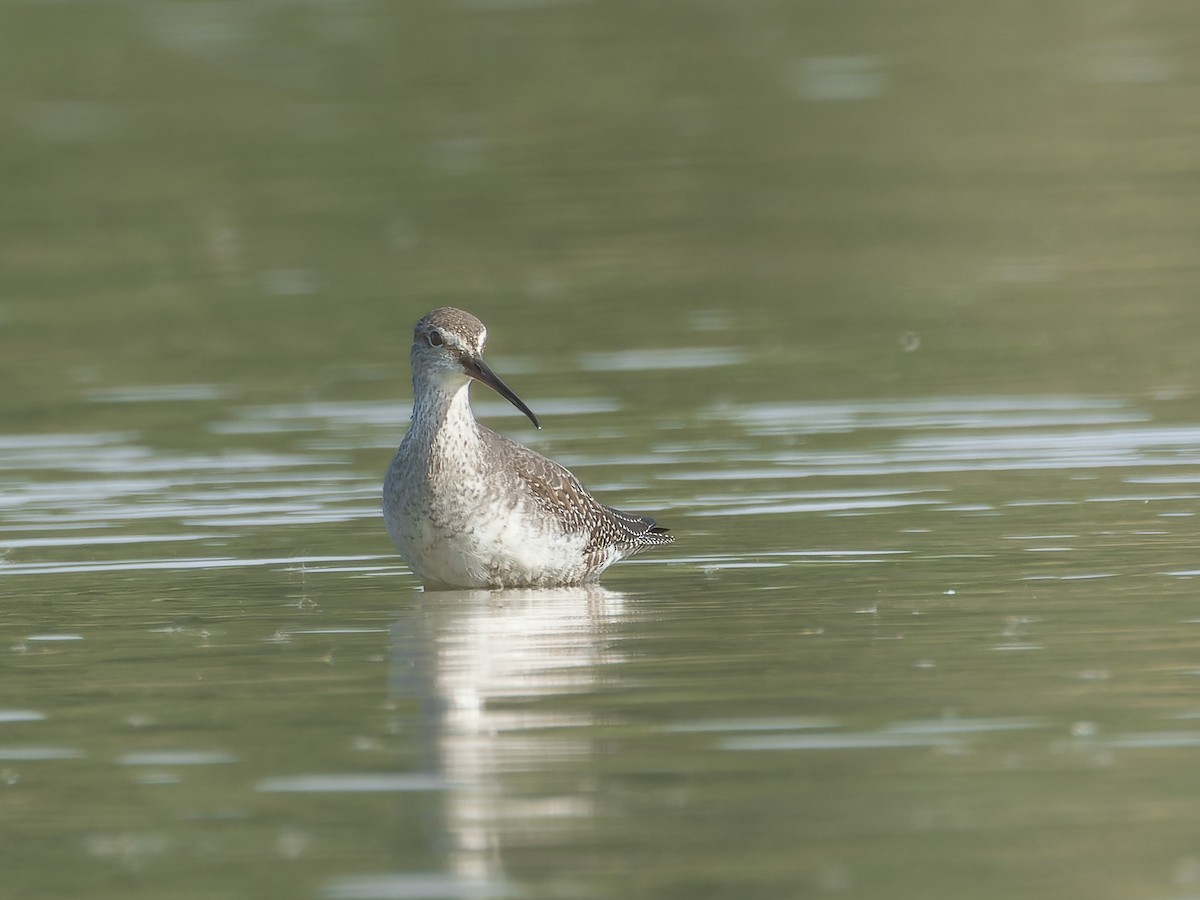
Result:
[
  {"x": 177, "y": 758},
  {"x": 416, "y": 886},
  {"x": 297, "y": 563},
  {"x": 354, "y": 783}
]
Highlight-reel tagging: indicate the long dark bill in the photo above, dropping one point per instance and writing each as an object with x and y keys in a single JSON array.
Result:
[{"x": 480, "y": 371}]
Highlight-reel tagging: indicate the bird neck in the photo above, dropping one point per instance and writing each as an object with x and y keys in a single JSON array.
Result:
[{"x": 442, "y": 405}]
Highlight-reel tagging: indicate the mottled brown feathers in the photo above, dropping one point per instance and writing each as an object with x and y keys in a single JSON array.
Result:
[{"x": 559, "y": 492}]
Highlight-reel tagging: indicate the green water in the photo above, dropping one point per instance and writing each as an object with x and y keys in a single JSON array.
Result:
[{"x": 887, "y": 310}]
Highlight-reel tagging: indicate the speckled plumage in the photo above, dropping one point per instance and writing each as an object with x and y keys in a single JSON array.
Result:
[{"x": 469, "y": 508}]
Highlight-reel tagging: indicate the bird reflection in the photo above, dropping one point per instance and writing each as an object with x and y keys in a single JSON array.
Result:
[{"x": 477, "y": 662}]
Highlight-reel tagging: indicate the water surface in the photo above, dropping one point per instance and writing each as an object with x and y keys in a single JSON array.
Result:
[
  {"x": 947, "y": 621},
  {"x": 888, "y": 312}
]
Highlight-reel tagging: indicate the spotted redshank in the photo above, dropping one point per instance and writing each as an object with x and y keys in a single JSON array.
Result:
[{"x": 469, "y": 508}]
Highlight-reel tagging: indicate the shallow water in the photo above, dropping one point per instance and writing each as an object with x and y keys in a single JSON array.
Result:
[
  {"x": 888, "y": 312},
  {"x": 952, "y": 635}
]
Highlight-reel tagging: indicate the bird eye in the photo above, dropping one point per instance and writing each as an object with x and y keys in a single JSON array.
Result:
[{"x": 435, "y": 339}]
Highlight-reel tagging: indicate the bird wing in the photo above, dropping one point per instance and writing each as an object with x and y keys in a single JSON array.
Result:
[{"x": 560, "y": 493}]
